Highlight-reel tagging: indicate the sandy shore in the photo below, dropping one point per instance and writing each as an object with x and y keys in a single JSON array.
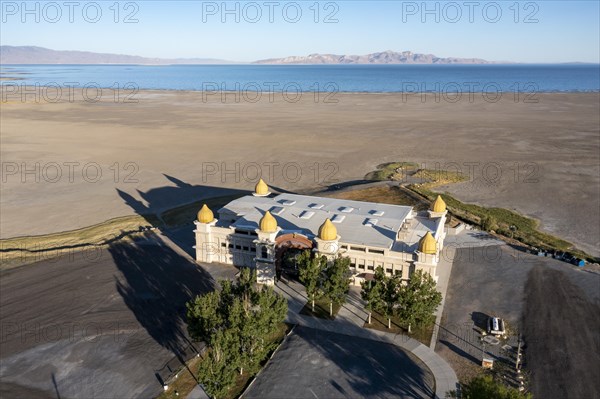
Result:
[{"x": 541, "y": 159}]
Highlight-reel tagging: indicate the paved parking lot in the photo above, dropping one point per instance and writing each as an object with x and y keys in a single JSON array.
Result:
[
  {"x": 553, "y": 304},
  {"x": 320, "y": 364},
  {"x": 95, "y": 325}
]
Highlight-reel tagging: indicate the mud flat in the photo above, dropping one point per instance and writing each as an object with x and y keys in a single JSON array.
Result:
[{"x": 68, "y": 165}]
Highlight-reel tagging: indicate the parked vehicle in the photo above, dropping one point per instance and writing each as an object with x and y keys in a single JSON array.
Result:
[{"x": 495, "y": 326}]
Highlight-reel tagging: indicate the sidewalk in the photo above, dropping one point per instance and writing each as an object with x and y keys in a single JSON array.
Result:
[{"x": 350, "y": 320}]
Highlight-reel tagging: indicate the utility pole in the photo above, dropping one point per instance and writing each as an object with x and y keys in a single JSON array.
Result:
[
  {"x": 518, "y": 362},
  {"x": 518, "y": 366}
]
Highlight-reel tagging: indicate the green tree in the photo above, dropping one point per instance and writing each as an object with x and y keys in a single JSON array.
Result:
[
  {"x": 217, "y": 371},
  {"x": 485, "y": 387},
  {"x": 390, "y": 294},
  {"x": 336, "y": 281},
  {"x": 236, "y": 323},
  {"x": 381, "y": 294},
  {"x": 417, "y": 300},
  {"x": 371, "y": 293},
  {"x": 311, "y": 274}
]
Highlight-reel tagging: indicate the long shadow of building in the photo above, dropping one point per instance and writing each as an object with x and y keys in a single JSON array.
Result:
[{"x": 173, "y": 209}]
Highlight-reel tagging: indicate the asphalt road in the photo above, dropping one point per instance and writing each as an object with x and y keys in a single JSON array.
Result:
[
  {"x": 555, "y": 306},
  {"x": 95, "y": 325},
  {"x": 319, "y": 364}
]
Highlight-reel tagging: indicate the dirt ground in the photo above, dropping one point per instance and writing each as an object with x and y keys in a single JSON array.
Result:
[
  {"x": 70, "y": 165},
  {"x": 96, "y": 324},
  {"x": 556, "y": 307},
  {"x": 564, "y": 349}
]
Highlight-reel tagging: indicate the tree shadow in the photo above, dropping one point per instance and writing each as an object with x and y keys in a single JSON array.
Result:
[
  {"x": 372, "y": 368},
  {"x": 330, "y": 364},
  {"x": 156, "y": 284}
]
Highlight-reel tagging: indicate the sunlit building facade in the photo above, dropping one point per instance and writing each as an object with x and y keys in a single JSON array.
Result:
[{"x": 257, "y": 230}]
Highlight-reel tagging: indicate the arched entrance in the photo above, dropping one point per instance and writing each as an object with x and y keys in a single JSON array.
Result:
[{"x": 287, "y": 249}]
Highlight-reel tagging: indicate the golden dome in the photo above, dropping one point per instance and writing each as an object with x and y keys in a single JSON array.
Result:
[
  {"x": 427, "y": 244},
  {"x": 267, "y": 223},
  {"x": 438, "y": 205},
  {"x": 205, "y": 215},
  {"x": 261, "y": 188},
  {"x": 327, "y": 231}
]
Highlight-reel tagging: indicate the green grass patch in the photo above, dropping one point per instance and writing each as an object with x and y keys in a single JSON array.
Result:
[
  {"x": 422, "y": 334},
  {"x": 321, "y": 309},
  {"x": 22, "y": 250},
  {"x": 386, "y": 171}
]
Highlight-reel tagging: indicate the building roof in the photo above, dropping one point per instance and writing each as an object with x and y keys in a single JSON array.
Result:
[{"x": 357, "y": 222}]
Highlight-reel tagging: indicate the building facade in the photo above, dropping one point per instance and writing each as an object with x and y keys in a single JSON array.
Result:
[{"x": 256, "y": 231}]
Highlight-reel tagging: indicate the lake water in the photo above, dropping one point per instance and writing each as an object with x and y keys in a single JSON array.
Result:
[{"x": 323, "y": 78}]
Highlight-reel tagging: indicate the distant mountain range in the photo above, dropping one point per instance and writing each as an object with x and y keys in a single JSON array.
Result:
[
  {"x": 40, "y": 55},
  {"x": 386, "y": 57}
]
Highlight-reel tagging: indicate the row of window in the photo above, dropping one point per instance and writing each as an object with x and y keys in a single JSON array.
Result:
[
  {"x": 245, "y": 232},
  {"x": 361, "y": 264},
  {"x": 238, "y": 247},
  {"x": 364, "y": 249}
]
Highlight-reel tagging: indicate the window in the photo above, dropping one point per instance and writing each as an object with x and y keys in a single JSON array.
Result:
[
  {"x": 253, "y": 249},
  {"x": 316, "y": 206},
  {"x": 388, "y": 271},
  {"x": 224, "y": 244},
  {"x": 230, "y": 246},
  {"x": 371, "y": 267},
  {"x": 246, "y": 249},
  {"x": 276, "y": 210},
  {"x": 370, "y": 222},
  {"x": 264, "y": 253},
  {"x": 375, "y": 212},
  {"x": 346, "y": 209},
  {"x": 287, "y": 202},
  {"x": 338, "y": 218},
  {"x": 358, "y": 249},
  {"x": 376, "y": 251},
  {"x": 398, "y": 272},
  {"x": 238, "y": 247},
  {"x": 306, "y": 214}
]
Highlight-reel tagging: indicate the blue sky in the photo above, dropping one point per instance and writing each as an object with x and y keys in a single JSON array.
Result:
[{"x": 541, "y": 31}]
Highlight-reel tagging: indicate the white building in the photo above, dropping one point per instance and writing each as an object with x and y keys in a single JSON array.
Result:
[{"x": 257, "y": 230}]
